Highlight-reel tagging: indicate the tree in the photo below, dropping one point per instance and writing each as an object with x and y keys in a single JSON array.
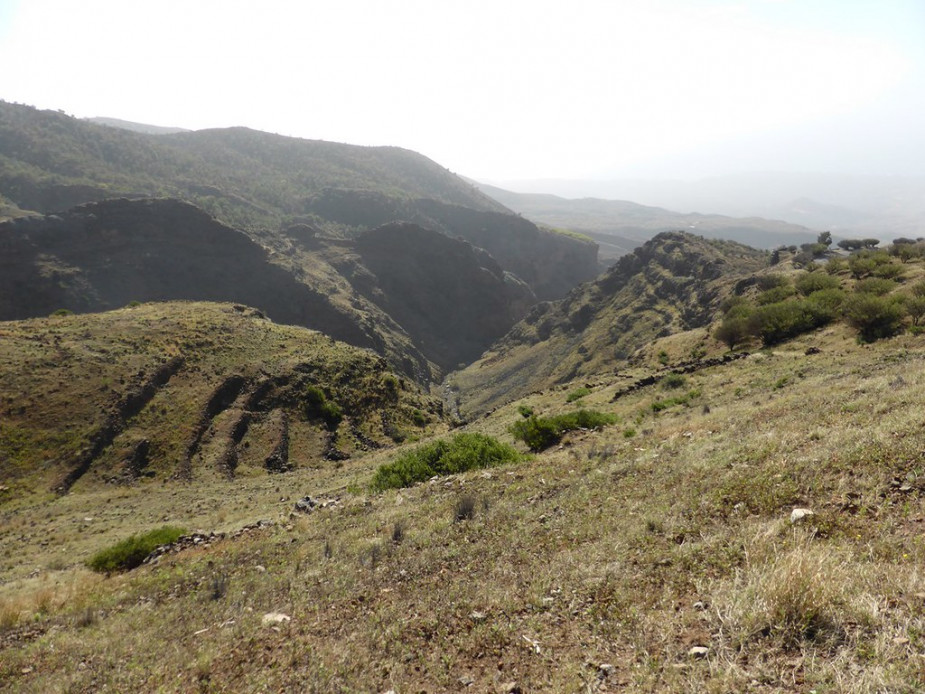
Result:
[
  {"x": 825, "y": 238},
  {"x": 874, "y": 317}
]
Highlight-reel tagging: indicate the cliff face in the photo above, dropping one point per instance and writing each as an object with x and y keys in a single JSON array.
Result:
[{"x": 674, "y": 282}]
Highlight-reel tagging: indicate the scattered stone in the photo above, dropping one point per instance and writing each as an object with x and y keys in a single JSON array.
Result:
[
  {"x": 477, "y": 616},
  {"x": 812, "y": 350},
  {"x": 260, "y": 568},
  {"x": 275, "y": 618},
  {"x": 798, "y": 515},
  {"x": 467, "y": 680},
  {"x": 700, "y": 605},
  {"x": 605, "y": 670},
  {"x": 698, "y": 652},
  {"x": 900, "y": 640},
  {"x": 305, "y": 505},
  {"x": 511, "y": 688}
]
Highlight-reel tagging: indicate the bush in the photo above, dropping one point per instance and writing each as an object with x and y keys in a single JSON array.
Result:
[
  {"x": 787, "y": 319},
  {"x": 464, "y": 451},
  {"x": 875, "y": 285},
  {"x": 772, "y": 296},
  {"x": 540, "y": 433},
  {"x": 829, "y": 300},
  {"x": 814, "y": 282},
  {"x": 734, "y": 329},
  {"x": 685, "y": 399},
  {"x": 525, "y": 410},
  {"x": 835, "y": 265},
  {"x": 132, "y": 551},
  {"x": 874, "y": 317},
  {"x": 866, "y": 262},
  {"x": 577, "y": 394},
  {"x": 317, "y": 406},
  {"x": 672, "y": 381}
]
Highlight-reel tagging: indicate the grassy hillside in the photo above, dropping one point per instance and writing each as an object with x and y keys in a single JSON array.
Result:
[
  {"x": 655, "y": 555},
  {"x": 185, "y": 391},
  {"x": 672, "y": 284}
]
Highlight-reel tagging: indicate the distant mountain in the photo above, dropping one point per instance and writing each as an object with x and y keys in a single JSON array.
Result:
[
  {"x": 136, "y": 127},
  {"x": 847, "y": 205},
  {"x": 619, "y": 226},
  {"x": 263, "y": 183},
  {"x": 673, "y": 283}
]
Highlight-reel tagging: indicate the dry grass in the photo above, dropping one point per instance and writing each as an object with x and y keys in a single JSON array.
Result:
[{"x": 605, "y": 549}]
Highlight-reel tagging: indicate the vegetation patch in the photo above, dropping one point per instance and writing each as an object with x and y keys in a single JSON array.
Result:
[
  {"x": 462, "y": 452},
  {"x": 684, "y": 399},
  {"x": 540, "y": 433},
  {"x": 131, "y": 552},
  {"x": 577, "y": 394}
]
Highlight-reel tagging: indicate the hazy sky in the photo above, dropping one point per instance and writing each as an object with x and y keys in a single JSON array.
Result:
[{"x": 502, "y": 89}]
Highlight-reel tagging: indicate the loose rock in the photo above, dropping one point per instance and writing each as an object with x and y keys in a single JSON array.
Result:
[{"x": 800, "y": 514}]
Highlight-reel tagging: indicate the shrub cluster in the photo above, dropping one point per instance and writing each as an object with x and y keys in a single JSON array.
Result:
[
  {"x": 540, "y": 433},
  {"x": 464, "y": 451},
  {"x": 684, "y": 399},
  {"x": 317, "y": 406},
  {"x": 132, "y": 551}
]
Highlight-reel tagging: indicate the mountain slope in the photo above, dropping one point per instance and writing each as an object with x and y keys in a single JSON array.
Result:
[
  {"x": 673, "y": 283},
  {"x": 367, "y": 291},
  {"x": 263, "y": 183}
]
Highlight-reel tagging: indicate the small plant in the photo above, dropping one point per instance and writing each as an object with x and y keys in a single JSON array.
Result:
[
  {"x": 62, "y": 312},
  {"x": 577, "y": 394},
  {"x": 525, "y": 410},
  {"x": 218, "y": 586},
  {"x": 663, "y": 358},
  {"x": 629, "y": 433},
  {"x": 132, "y": 551},
  {"x": 464, "y": 508},
  {"x": 398, "y": 533}
]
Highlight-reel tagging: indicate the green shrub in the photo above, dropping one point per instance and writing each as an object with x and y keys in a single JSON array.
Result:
[
  {"x": 874, "y": 317},
  {"x": 540, "y": 433},
  {"x": 829, "y": 300},
  {"x": 317, "y": 406},
  {"x": 577, "y": 394},
  {"x": 866, "y": 262},
  {"x": 735, "y": 326},
  {"x": 525, "y": 410},
  {"x": 915, "y": 307},
  {"x": 132, "y": 551},
  {"x": 766, "y": 282},
  {"x": 672, "y": 381},
  {"x": 772, "y": 296},
  {"x": 775, "y": 323},
  {"x": 890, "y": 271},
  {"x": 62, "y": 312},
  {"x": 666, "y": 403},
  {"x": 814, "y": 282},
  {"x": 875, "y": 285},
  {"x": 835, "y": 265},
  {"x": 464, "y": 451}
]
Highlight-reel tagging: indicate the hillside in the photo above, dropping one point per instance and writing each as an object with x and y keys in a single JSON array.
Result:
[
  {"x": 658, "y": 554},
  {"x": 105, "y": 255},
  {"x": 186, "y": 391},
  {"x": 263, "y": 183},
  {"x": 620, "y": 226},
  {"x": 674, "y": 283}
]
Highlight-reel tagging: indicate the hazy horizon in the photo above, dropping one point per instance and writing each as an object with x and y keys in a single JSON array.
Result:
[{"x": 504, "y": 91}]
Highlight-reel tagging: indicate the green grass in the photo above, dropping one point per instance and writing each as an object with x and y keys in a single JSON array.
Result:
[
  {"x": 462, "y": 452},
  {"x": 132, "y": 551}
]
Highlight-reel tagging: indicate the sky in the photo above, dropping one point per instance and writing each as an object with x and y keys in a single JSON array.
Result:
[{"x": 503, "y": 89}]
